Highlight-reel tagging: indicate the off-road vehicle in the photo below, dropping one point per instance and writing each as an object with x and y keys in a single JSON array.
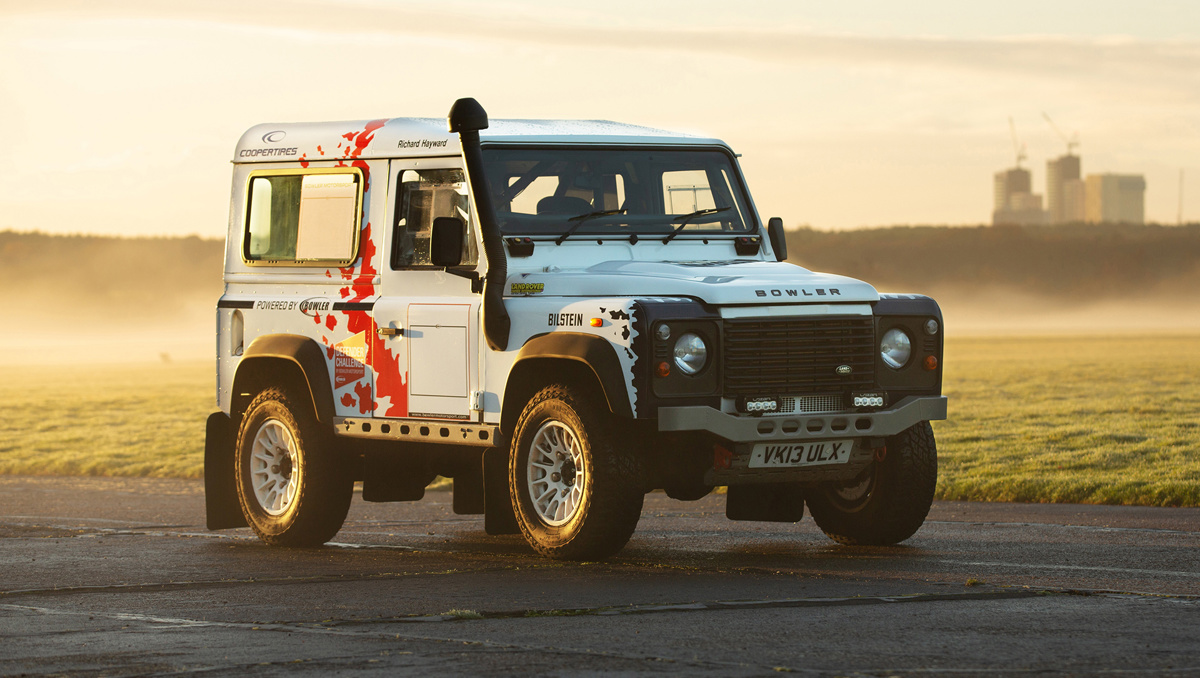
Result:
[{"x": 561, "y": 316}]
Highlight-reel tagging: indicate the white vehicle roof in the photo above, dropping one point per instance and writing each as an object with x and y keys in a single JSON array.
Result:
[{"x": 408, "y": 137}]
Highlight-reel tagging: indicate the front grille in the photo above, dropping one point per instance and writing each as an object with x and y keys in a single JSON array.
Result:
[
  {"x": 798, "y": 355},
  {"x": 811, "y": 404},
  {"x": 819, "y": 403}
]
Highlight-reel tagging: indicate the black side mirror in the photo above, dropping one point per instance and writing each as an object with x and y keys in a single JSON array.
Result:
[
  {"x": 778, "y": 238},
  {"x": 446, "y": 241}
]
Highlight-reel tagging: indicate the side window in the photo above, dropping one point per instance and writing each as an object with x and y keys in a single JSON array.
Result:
[
  {"x": 296, "y": 217},
  {"x": 686, "y": 191},
  {"x": 423, "y": 196}
]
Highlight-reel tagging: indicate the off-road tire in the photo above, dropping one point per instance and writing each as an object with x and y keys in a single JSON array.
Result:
[
  {"x": 898, "y": 498},
  {"x": 611, "y": 503},
  {"x": 324, "y": 488}
]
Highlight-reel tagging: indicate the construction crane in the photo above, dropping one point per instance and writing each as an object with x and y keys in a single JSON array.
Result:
[
  {"x": 1018, "y": 147},
  {"x": 1072, "y": 142}
]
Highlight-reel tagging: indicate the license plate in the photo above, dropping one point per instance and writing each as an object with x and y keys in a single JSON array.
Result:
[{"x": 792, "y": 455}]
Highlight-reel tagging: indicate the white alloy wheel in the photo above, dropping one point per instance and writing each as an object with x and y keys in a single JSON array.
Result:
[
  {"x": 274, "y": 467},
  {"x": 293, "y": 487},
  {"x": 576, "y": 494},
  {"x": 556, "y": 473}
]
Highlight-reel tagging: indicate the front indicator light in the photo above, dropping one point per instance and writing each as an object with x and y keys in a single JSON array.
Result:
[
  {"x": 664, "y": 369},
  {"x": 931, "y": 363},
  {"x": 597, "y": 322}
]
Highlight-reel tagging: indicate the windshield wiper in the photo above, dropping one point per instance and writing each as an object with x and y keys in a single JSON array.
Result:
[
  {"x": 582, "y": 218},
  {"x": 683, "y": 220}
]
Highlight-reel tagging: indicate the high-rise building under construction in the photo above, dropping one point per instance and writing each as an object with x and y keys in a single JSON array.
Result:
[
  {"x": 1064, "y": 190},
  {"x": 1101, "y": 198},
  {"x": 1014, "y": 200}
]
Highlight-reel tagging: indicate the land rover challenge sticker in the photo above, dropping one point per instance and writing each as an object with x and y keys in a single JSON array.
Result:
[{"x": 350, "y": 360}]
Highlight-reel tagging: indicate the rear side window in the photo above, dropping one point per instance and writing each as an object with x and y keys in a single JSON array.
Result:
[{"x": 301, "y": 217}]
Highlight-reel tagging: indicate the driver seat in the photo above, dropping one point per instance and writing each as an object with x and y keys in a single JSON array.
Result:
[{"x": 563, "y": 204}]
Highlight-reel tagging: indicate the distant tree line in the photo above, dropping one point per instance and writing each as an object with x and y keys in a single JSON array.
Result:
[
  {"x": 1073, "y": 260},
  {"x": 116, "y": 276},
  {"x": 108, "y": 278}
]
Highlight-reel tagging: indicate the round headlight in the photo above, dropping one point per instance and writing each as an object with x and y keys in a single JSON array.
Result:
[
  {"x": 691, "y": 354},
  {"x": 896, "y": 348}
]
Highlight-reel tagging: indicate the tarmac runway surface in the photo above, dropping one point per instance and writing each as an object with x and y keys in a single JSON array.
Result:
[{"x": 104, "y": 576}]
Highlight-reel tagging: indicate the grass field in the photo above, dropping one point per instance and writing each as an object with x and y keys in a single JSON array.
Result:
[
  {"x": 1111, "y": 420},
  {"x": 111, "y": 420}
]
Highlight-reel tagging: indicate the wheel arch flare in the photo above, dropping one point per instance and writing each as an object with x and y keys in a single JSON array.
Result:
[{"x": 596, "y": 335}]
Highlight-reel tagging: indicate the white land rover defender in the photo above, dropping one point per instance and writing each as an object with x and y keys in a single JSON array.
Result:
[{"x": 561, "y": 316}]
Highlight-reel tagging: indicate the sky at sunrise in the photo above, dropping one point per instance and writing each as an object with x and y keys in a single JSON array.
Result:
[{"x": 120, "y": 117}]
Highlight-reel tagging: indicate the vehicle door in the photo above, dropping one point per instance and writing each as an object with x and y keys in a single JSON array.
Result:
[{"x": 426, "y": 358}]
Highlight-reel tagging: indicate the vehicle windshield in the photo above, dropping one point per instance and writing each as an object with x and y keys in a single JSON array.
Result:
[{"x": 580, "y": 192}]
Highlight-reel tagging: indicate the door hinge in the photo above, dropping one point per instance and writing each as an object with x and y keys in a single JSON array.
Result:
[{"x": 476, "y": 401}]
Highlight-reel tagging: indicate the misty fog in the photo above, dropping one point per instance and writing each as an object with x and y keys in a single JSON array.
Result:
[{"x": 94, "y": 299}]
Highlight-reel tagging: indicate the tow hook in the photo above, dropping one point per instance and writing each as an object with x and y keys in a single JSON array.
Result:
[{"x": 722, "y": 457}]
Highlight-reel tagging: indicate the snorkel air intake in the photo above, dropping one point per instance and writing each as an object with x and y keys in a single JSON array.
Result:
[{"x": 466, "y": 118}]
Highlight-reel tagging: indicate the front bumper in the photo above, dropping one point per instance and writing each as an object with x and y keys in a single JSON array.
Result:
[{"x": 803, "y": 426}]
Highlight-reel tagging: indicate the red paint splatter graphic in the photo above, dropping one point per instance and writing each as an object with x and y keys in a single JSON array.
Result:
[
  {"x": 362, "y": 285},
  {"x": 365, "y": 404},
  {"x": 364, "y": 138},
  {"x": 390, "y": 382},
  {"x": 303, "y": 161},
  {"x": 317, "y": 318},
  {"x": 320, "y": 151},
  {"x": 361, "y": 278},
  {"x": 366, "y": 171}
]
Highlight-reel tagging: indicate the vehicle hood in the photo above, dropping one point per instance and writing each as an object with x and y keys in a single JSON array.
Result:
[{"x": 720, "y": 283}]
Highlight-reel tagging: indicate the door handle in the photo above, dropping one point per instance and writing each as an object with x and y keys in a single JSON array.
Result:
[{"x": 390, "y": 331}]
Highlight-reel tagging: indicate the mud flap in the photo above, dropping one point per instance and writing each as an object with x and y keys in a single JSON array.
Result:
[
  {"x": 468, "y": 492},
  {"x": 220, "y": 485},
  {"x": 388, "y": 479},
  {"x": 773, "y": 503},
  {"x": 498, "y": 517}
]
